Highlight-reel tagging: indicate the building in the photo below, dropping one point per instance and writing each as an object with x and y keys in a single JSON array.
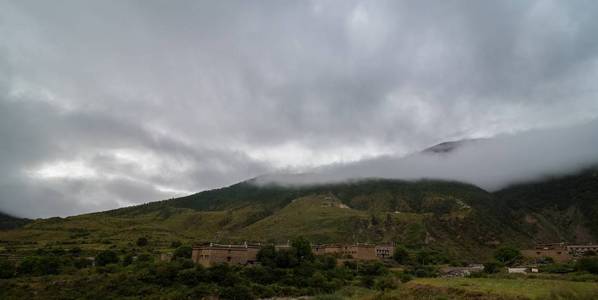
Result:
[
  {"x": 355, "y": 251},
  {"x": 580, "y": 250},
  {"x": 558, "y": 252},
  {"x": 385, "y": 251},
  {"x": 208, "y": 255}
]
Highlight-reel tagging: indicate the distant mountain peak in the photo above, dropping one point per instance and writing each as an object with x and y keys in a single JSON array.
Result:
[{"x": 449, "y": 146}]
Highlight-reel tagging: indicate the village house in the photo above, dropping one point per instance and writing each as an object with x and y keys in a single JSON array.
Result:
[
  {"x": 355, "y": 251},
  {"x": 558, "y": 252},
  {"x": 385, "y": 251},
  {"x": 208, "y": 255},
  {"x": 580, "y": 250}
]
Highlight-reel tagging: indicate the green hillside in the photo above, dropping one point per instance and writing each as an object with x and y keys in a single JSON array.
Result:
[
  {"x": 556, "y": 209},
  {"x": 10, "y": 222},
  {"x": 460, "y": 220}
]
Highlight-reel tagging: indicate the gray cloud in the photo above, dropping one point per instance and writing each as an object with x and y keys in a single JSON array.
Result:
[
  {"x": 488, "y": 163},
  {"x": 109, "y": 103}
]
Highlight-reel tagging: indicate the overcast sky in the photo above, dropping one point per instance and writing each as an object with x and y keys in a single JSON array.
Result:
[{"x": 112, "y": 103}]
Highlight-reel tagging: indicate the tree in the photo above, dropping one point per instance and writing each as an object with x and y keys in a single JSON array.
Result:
[
  {"x": 267, "y": 256},
  {"x": 491, "y": 267},
  {"x": 182, "y": 252},
  {"x": 175, "y": 244},
  {"x": 106, "y": 257},
  {"x": 7, "y": 269},
  {"x": 127, "y": 260},
  {"x": 400, "y": 255},
  {"x": 507, "y": 255},
  {"x": 588, "y": 264},
  {"x": 39, "y": 265},
  {"x": 302, "y": 249},
  {"x": 142, "y": 241}
]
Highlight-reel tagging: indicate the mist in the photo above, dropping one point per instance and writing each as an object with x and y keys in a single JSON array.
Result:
[{"x": 491, "y": 164}]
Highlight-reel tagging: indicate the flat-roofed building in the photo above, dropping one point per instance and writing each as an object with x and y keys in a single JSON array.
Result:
[
  {"x": 385, "y": 251},
  {"x": 557, "y": 251},
  {"x": 580, "y": 250},
  {"x": 208, "y": 255}
]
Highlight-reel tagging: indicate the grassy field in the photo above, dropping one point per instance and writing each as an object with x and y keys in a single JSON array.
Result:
[{"x": 516, "y": 288}]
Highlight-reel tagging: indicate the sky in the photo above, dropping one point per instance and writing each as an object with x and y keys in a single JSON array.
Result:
[{"x": 105, "y": 104}]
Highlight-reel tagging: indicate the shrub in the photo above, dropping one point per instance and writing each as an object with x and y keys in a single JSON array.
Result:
[
  {"x": 492, "y": 267},
  {"x": 302, "y": 249},
  {"x": 557, "y": 268},
  {"x": 81, "y": 263},
  {"x": 142, "y": 241},
  {"x": 387, "y": 282},
  {"x": 127, "y": 260},
  {"x": 144, "y": 258},
  {"x": 39, "y": 265},
  {"x": 588, "y": 264},
  {"x": 237, "y": 292},
  {"x": 405, "y": 277},
  {"x": 175, "y": 244},
  {"x": 106, "y": 257},
  {"x": 76, "y": 251},
  {"x": 267, "y": 256},
  {"x": 7, "y": 269},
  {"x": 400, "y": 255},
  {"x": 182, "y": 252},
  {"x": 507, "y": 255}
]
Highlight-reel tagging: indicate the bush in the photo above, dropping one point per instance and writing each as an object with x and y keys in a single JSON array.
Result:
[
  {"x": 106, "y": 257},
  {"x": 302, "y": 249},
  {"x": 492, "y": 267},
  {"x": 237, "y": 292},
  {"x": 7, "y": 269},
  {"x": 39, "y": 265},
  {"x": 182, "y": 252},
  {"x": 558, "y": 268},
  {"x": 142, "y": 241},
  {"x": 384, "y": 283},
  {"x": 81, "y": 263},
  {"x": 507, "y": 255},
  {"x": 267, "y": 256},
  {"x": 175, "y": 244},
  {"x": 588, "y": 264},
  {"x": 127, "y": 260},
  {"x": 405, "y": 277},
  {"x": 400, "y": 255},
  {"x": 145, "y": 258}
]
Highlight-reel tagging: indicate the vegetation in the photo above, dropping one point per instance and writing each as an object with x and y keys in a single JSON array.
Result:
[
  {"x": 435, "y": 224},
  {"x": 526, "y": 288}
]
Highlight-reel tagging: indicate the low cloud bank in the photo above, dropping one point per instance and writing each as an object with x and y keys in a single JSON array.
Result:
[{"x": 488, "y": 163}]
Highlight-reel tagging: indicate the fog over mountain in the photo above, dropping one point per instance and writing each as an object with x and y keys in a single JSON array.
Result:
[
  {"x": 488, "y": 163},
  {"x": 106, "y": 104}
]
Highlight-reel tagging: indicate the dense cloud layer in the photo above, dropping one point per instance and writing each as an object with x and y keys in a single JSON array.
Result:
[
  {"x": 111, "y": 103},
  {"x": 488, "y": 163}
]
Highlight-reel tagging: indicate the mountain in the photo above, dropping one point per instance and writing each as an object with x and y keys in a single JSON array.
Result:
[
  {"x": 10, "y": 222},
  {"x": 556, "y": 209},
  {"x": 461, "y": 220},
  {"x": 447, "y": 147}
]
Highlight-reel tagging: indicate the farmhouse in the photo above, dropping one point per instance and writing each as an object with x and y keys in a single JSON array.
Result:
[
  {"x": 208, "y": 255},
  {"x": 580, "y": 250},
  {"x": 558, "y": 252}
]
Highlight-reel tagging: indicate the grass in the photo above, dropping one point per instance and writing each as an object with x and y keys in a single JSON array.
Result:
[{"x": 521, "y": 287}]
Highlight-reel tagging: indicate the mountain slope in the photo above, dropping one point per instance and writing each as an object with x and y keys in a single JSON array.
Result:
[
  {"x": 556, "y": 209},
  {"x": 10, "y": 222},
  {"x": 461, "y": 220}
]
